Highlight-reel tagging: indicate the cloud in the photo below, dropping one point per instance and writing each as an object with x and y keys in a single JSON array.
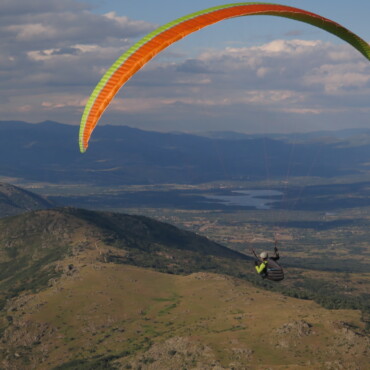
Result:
[
  {"x": 62, "y": 22},
  {"x": 297, "y": 69},
  {"x": 340, "y": 78},
  {"x": 54, "y": 52},
  {"x": 19, "y": 8},
  {"x": 193, "y": 66},
  {"x": 320, "y": 84},
  {"x": 55, "y": 48},
  {"x": 32, "y": 31}
]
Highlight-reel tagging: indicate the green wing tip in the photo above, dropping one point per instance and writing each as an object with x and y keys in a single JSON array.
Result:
[{"x": 82, "y": 148}]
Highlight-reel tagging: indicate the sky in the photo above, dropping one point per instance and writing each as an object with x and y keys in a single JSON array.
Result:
[{"x": 251, "y": 74}]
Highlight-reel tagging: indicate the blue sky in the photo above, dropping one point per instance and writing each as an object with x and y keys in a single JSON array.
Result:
[
  {"x": 253, "y": 74},
  {"x": 164, "y": 10},
  {"x": 352, "y": 14}
]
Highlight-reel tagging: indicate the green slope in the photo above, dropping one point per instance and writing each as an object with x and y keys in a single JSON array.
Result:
[{"x": 108, "y": 316}]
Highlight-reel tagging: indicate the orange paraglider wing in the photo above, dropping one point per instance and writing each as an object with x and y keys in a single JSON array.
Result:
[{"x": 149, "y": 46}]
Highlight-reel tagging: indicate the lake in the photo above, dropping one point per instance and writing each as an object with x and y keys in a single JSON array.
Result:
[{"x": 259, "y": 199}]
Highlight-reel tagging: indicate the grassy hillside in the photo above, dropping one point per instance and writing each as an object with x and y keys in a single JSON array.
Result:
[
  {"x": 86, "y": 290},
  {"x": 104, "y": 315},
  {"x": 32, "y": 244}
]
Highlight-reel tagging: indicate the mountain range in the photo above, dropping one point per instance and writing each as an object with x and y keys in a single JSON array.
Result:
[{"x": 48, "y": 152}]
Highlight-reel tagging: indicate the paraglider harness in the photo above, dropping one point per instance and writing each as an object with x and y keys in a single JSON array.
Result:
[{"x": 272, "y": 270}]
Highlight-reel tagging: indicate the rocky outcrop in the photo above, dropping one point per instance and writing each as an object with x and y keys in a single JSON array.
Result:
[{"x": 173, "y": 354}]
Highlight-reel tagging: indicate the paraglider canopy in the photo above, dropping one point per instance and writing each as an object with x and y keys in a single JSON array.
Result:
[{"x": 149, "y": 46}]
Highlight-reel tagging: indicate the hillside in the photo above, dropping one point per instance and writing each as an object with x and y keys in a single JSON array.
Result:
[
  {"x": 75, "y": 295},
  {"x": 100, "y": 315},
  {"x": 32, "y": 244},
  {"x": 14, "y": 200},
  {"x": 48, "y": 152}
]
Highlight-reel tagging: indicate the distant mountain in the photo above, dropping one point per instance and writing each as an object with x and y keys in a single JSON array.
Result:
[
  {"x": 225, "y": 135},
  {"x": 14, "y": 200},
  {"x": 332, "y": 135},
  {"x": 48, "y": 152},
  {"x": 72, "y": 299}
]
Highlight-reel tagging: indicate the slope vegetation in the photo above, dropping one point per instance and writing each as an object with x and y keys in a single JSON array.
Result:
[
  {"x": 100, "y": 315},
  {"x": 31, "y": 245}
]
